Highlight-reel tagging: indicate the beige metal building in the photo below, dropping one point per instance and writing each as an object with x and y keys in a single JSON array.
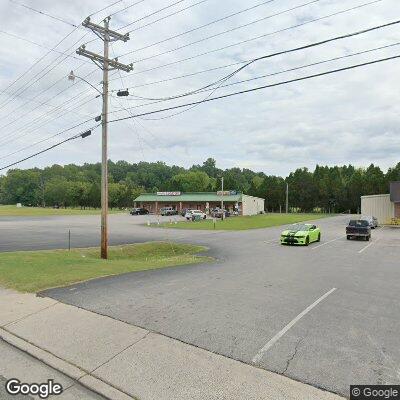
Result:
[
  {"x": 379, "y": 206},
  {"x": 385, "y": 207}
]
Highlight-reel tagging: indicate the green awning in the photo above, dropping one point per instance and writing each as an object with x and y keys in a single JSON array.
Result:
[{"x": 189, "y": 197}]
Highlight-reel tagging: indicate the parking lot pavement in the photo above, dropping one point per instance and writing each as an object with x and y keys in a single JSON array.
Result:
[
  {"x": 258, "y": 289},
  {"x": 33, "y": 233}
]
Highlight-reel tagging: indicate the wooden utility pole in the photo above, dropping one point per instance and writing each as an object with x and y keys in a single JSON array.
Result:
[
  {"x": 106, "y": 64},
  {"x": 287, "y": 198},
  {"x": 222, "y": 199}
]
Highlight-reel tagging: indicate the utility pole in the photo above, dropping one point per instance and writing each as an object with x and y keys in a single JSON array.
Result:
[
  {"x": 287, "y": 198},
  {"x": 106, "y": 64},
  {"x": 222, "y": 198}
]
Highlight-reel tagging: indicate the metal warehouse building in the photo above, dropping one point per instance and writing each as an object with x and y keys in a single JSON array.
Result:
[
  {"x": 385, "y": 207},
  {"x": 204, "y": 201}
]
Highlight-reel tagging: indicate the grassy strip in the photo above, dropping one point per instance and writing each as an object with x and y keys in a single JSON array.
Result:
[
  {"x": 33, "y": 271},
  {"x": 247, "y": 222},
  {"x": 14, "y": 211}
]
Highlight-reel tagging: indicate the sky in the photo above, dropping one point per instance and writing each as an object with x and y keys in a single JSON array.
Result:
[{"x": 347, "y": 117}]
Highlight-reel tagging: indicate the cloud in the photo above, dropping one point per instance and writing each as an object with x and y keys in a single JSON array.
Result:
[{"x": 350, "y": 117}]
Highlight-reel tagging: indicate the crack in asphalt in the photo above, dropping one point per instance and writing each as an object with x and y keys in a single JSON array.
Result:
[{"x": 291, "y": 358}]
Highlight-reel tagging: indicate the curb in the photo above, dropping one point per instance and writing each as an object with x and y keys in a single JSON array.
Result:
[{"x": 73, "y": 372}]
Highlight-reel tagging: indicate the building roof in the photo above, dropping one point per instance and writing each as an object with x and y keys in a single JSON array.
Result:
[
  {"x": 192, "y": 196},
  {"x": 375, "y": 195}
]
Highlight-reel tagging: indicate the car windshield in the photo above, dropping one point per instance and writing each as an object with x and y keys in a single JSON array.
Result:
[
  {"x": 299, "y": 227},
  {"x": 360, "y": 222}
]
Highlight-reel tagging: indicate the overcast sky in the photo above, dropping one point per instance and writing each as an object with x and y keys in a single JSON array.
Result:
[{"x": 349, "y": 117}]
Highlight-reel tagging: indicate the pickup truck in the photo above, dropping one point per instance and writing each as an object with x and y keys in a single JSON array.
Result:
[{"x": 358, "y": 228}]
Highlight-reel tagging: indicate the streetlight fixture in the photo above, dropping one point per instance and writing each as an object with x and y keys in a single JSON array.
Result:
[{"x": 72, "y": 77}]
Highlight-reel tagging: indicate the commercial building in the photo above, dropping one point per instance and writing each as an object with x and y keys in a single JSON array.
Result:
[
  {"x": 385, "y": 207},
  {"x": 204, "y": 201}
]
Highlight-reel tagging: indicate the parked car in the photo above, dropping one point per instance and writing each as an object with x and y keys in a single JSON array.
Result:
[
  {"x": 358, "y": 228},
  {"x": 191, "y": 214},
  {"x": 168, "y": 211},
  {"x": 218, "y": 213},
  {"x": 184, "y": 211},
  {"x": 138, "y": 211},
  {"x": 373, "y": 221},
  {"x": 302, "y": 234}
]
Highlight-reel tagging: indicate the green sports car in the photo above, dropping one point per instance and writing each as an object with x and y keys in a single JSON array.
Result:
[{"x": 302, "y": 234}]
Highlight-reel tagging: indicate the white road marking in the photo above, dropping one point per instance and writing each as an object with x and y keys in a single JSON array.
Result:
[
  {"x": 368, "y": 245},
  {"x": 330, "y": 241},
  {"x": 257, "y": 358},
  {"x": 372, "y": 242}
]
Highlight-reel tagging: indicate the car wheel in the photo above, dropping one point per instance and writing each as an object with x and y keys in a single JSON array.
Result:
[
  {"x": 348, "y": 237},
  {"x": 319, "y": 237},
  {"x": 367, "y": 238},
  {"x": 307, "y": 240}
]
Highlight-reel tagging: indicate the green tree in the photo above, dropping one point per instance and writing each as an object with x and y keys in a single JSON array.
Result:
[{"x": 193, "y": 181}]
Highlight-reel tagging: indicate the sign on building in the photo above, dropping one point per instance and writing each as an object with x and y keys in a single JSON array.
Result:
[
  {"x": 227, "y": 193},
  {"x": 168, "y": 193}
]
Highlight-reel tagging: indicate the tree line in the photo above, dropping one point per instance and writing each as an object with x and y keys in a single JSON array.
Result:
[{"x": 327, "y": 189}]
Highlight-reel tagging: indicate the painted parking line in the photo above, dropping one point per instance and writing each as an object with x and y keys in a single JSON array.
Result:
[
  {"x": 271, "y": 241},
  {"x": 368, "y": 245},
  {"x": 257, "y": 358},
  {"x": 372, "y": 242},
  {"x": 329, "y": 241}
]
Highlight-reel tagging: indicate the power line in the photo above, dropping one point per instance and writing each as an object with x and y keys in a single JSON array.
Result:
[
  {"x": 262, "y": 87},
  {"x": 128, "y": 24},
  {"x": 46, "y": 139},
  {"x": 238, "y": 82},
  {"x": 223, "y": 97},
  {"x": 295, "y": 49},
  {"x": 285, "y": 71},
  {"x": 105, "y": 8},
  {"x": 29, "y": 127},
  {"x": 37, "y": 62},
  {"x": 279, "y": 53},
  {"x": 44, "y": 13},
  {"x": 238, "y": 63},
  {"x": 157, "y": 20},
  {"x": 271, "y": 33},
  {"x": 127, "y": 7},
  {"x": 256, "y": 38},
  {"x": 204, "y": 87},
  {"x": 38, "y": 44},
  {"x": 225, "y": 31},
  {"x": 49, "y": 68},
  {"x": 16, "y": 137},
  {"x": 200, "y": 27},
  {"x": 34, "y": 97},
  {"x": 81, "y": 134},
  {"x": 151, "y": 14},
  {"x": 46, "y": 114}
]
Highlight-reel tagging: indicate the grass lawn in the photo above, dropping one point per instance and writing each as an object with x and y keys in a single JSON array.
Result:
[
  {"x": 14, "y": 211},
  {"x": 247, "y": 222},
  {"x": 32, "y": 271}
]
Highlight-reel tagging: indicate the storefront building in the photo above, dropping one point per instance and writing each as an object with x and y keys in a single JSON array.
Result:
[{"x": 204, "y": 201}]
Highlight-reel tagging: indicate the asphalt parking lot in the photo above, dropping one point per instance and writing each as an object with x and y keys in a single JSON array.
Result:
[{"x": 327, "y": 314}]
